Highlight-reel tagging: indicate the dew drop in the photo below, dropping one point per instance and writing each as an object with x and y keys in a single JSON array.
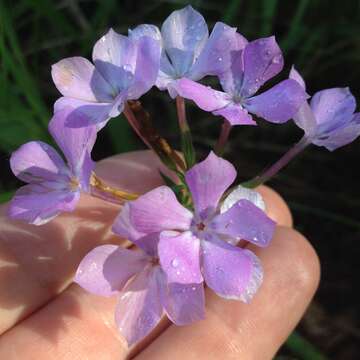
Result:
[
  {"x": 127, "y": 67},
  {"x": 276, "y": 59},
  {"x": 175, "y": 263}
]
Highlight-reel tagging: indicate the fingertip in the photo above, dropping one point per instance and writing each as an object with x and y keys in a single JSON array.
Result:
[
  {"x": 300, "y": 258},
  {"x": 276, "y": 206}
]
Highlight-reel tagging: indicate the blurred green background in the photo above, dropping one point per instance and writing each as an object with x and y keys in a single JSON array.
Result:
[{"x": 322, "y": 38}]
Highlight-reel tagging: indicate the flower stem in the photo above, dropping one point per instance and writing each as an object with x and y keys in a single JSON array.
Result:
[
  {"x": 278, "y": 165},
  {"x": 141, "y": 122},
  {"x": 130, "y": 116},
  {"x": 187, "y": 146},
  {"x": 99, "y": 189},
  {"x": 223, "y": 138}
]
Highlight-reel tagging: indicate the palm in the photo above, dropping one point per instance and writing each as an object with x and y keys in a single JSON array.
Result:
[{"x": 44, "y": 316}]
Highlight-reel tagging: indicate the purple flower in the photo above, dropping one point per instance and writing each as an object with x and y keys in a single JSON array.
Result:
[
  {"x": 125, "y": 68},
  {"x": 53, "y": 186},
  {"x": 198, "y": 246},
  {"x": 329, "y": 120},
  {"x": 250, "y": 68},
  {"x": 144, "y": 293},
  {"x": 188, "y": 50}
]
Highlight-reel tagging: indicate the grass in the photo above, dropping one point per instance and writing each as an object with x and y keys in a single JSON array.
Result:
[{"x": 36, "y": 33}]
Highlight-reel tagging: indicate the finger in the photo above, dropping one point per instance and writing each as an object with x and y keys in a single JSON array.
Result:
[
  {"x": 38, "y": 262},
  {"x": 276, "y": 207},
  {"x": 234, "y": 330}
]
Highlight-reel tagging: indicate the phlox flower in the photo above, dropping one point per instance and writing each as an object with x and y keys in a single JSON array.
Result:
[
  {"x": 53, "y": 185},
  {"x": 124, "y": 69},
  {"x": 329, "y": 120},
  {"x": 199, "y": 246},
  {"x": 250, "y": 67},
  {"x": 142, "y": 288},
  {"x": 187, "y": 49}
]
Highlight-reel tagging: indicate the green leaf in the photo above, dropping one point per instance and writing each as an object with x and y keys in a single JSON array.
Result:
[
  {"x": 6, "y": 196},
  {"x": 302, "y": 348}
]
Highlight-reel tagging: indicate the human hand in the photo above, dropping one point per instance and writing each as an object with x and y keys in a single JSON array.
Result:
[{"x": 45, "y": 316}]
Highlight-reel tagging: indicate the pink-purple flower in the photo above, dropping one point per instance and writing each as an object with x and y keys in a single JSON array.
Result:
[
  {"x": 179, "y": 250},
  {"x": 329, "y": 120},
  {"x": 124, "y": 69},
  {"x": 187, "y": 49},
  {"x": 53, "y": 185},
  {"x": 199, "y": 246},
  {"x": 143, "y": 290},
  {"x": 250, "y": 67}
]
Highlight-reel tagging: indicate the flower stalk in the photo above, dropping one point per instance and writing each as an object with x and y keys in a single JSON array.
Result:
[
  {"x": 187, "y": 146},
  {"x": 278, "y": 165},
  {"x": 223, "y": 138},
  {"x": 140, "y": 120}
]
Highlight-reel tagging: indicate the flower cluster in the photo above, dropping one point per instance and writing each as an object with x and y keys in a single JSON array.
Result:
[{"x": 193, "y": 232}]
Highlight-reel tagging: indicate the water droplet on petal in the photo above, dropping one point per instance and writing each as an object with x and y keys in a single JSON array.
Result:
[
  {"x": 276, "y": 59},
  {"x": 127, "y": 67},
  {"x": 175, "y": 263}
]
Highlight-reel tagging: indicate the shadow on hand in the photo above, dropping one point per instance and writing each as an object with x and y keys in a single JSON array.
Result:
[{"x": 38, "y": 262}]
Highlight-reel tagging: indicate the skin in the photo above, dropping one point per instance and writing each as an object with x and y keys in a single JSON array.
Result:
[{"x": 45, "y": 316}]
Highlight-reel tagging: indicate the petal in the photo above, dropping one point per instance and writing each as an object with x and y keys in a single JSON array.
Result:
[
  {"x": 305, "y": 120},
  {"x": 36, "y": 161},
  {"x": 205, "y": 97},
  {"x": 118, "y": 104},
  {"x": 232, "y": 272},
  {"x": 235, "y": 114},
  {"x": 294, "y": 74},
  {"x": 124, "y": 228},
  {"x": 216, "y": 56},
  {"x": 84, "y": 113},
  {"x": 145, "y": 30},
  {"x": 262, "y": 61},
  {"x": 242, "y": 193},
  {"x": 167, "y": 72},
  {"x": 183, "y": 304},
  {"x": 156, "y": 211},
  {"x": 179, "y": 257},
  {"x": 36, "y": 204},
  {"x": 147, "y": 67},
  {"x": 278, "y": 104},
  {"x": 114, "y": 56},
  {"x": 139, "y": 309},
  {"x": 332, "y": 108},
  {"x": 77, "y": 77},
  {"x": 244, "y": 220},
  {"x": 232, "y": 79},
  {"x": 184, "y": 35},
  {"x": 74, "y": 142},
  {"x": 208, "y": 181},
  {"x": 106, "y": 269},
  {"x": 341, "y": 136}
]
